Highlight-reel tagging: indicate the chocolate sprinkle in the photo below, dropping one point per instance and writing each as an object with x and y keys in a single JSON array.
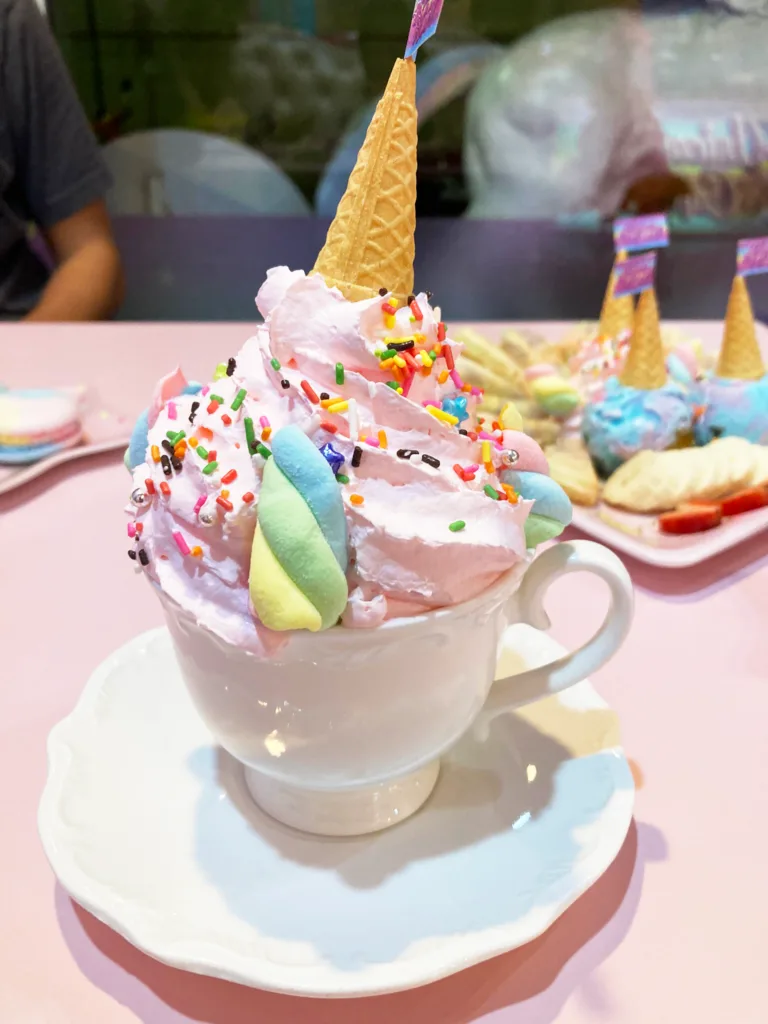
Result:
[
  {"x": 400, "y": 346},
  {"x": 383, "y": 292},
  {"x": 231, "y": 364},
  {"x": 357, "y": 456},
  {"x": 462, "y": 431},
  {"x": 324, "y": 396},
  {"x": 431, "y": 461},
  {"x": 132, "y": 555},
  {"x": 168, "y": 446},
  {"x": 166, "y": 464},
  {"x": 411, "y": 298},
  {"x": 193, "y": 411},
  {"x": 406, "y": 453},
  {"x": 143, "y": 557},
  {"x": 285, "y": 384},
  {"x": 176, "y": 463}
]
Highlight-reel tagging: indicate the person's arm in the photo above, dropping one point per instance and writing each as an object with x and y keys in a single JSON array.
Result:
[
  {"x": 88, "y": 281},
  {"x": 60, "y": 170}
]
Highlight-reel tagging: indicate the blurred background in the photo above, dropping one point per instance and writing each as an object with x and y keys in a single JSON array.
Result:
[{"x": 231, "y": 128}]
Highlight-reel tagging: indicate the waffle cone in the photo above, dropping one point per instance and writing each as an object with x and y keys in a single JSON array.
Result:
[
  {"x": 617, "y": 313},
  {"x": 646, "y": 366},
  {"x": 740, "y": 357},
  {"x": 370, "y": 244}
]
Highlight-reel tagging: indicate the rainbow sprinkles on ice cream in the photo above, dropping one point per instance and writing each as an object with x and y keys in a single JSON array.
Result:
[{"x": 337, "y": 470}]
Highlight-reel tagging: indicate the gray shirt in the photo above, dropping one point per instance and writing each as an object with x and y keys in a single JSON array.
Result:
[{"x": 50, "y": 164}]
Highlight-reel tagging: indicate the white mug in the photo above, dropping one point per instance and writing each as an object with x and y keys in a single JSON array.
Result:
[{"x": 341, "y": 732}]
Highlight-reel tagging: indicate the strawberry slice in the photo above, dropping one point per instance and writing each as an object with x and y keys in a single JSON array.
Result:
[
  {"x": 691, "y": 519},
  {"x": 745, "y": 501}
]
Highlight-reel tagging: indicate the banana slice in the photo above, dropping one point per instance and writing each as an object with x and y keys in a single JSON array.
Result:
[
  {"x": 516, "y": 347},
  {"x": 660, "y": 481},
  {"x": 574, "y": 471},
  {"x": 490, "y": 357}
]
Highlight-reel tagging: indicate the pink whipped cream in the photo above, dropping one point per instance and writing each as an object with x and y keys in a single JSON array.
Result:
[{"x": 197, "y": 529}]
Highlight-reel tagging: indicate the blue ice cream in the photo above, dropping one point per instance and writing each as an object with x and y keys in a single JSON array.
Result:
[
  {"x": 628, "y": 420},
  {"x": 733, "y": 408}
]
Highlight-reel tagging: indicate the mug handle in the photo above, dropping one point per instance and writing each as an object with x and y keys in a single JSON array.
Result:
[{"x": 527, "y": 605}]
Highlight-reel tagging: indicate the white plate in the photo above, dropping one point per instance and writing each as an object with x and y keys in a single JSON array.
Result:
[
  {"x": 640, "y": 536},
  {"x": 150, "y": 828},
  {"x": 12, "y": 477}
]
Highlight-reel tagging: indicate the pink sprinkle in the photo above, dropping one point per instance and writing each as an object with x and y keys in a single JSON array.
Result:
[
  {"x": 428, "y": 403},
  {"x": 199, "y": 503},
  {"x": 475, "y": 391},
  {"x": 458, "y": 382},
  {"x": 407, "y": 385},
  {"x": 205, "y": 390},
  {"x": 171, "y": 410},
  {"x": 373, "y": 442},
  {"x": 131, "y": 529},
  {"x": 485, "y": 436},
  {"x": 472, "y": 469},
  {"x": 264, "y": 423},
  {"x": 181, "y": 544}
]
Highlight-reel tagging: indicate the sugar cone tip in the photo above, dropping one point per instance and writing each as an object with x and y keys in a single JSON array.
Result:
[
  {"x": 645, "y": 367},
  {"x": 370, "y": 244},
  {"x": 740, "y": 357}
]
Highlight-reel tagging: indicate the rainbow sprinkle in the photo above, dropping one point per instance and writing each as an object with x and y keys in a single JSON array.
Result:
[{"x": 181, "y": 544}]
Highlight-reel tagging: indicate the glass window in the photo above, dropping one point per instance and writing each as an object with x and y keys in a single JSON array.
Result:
[{"x": 231, "y": 130}]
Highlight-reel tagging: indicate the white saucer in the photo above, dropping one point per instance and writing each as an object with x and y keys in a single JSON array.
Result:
[{"x": 151, "y": 829}]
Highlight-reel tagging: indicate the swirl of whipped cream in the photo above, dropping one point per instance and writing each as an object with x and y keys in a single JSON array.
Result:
[
  {"x": 627, "y": 420},
  {"x": 299, "y": 553},
  {"x": 428, "y": 519}
]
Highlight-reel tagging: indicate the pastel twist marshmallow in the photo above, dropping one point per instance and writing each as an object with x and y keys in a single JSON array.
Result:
[{"x": 299, "y": 555}]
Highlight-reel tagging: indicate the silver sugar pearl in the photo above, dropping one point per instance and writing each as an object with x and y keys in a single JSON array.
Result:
[
  {"x": 509, "y": 457},
  {"x": 139, "y": 498}
]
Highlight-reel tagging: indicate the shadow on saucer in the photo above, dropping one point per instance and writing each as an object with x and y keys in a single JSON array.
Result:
[
  {"x": 533, "y": 982},
  {"x": 483, "y": 789}
]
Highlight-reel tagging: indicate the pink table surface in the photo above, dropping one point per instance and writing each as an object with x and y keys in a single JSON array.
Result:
[{"x": 674, "y": 932}]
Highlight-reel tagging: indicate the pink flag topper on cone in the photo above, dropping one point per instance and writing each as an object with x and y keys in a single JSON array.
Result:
[
  {"x": 634, "y": 233},
  {"x": 634, "y": 275},
  {"x": 426, "y": 15},
  {"x": 752, "y": 256}
]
